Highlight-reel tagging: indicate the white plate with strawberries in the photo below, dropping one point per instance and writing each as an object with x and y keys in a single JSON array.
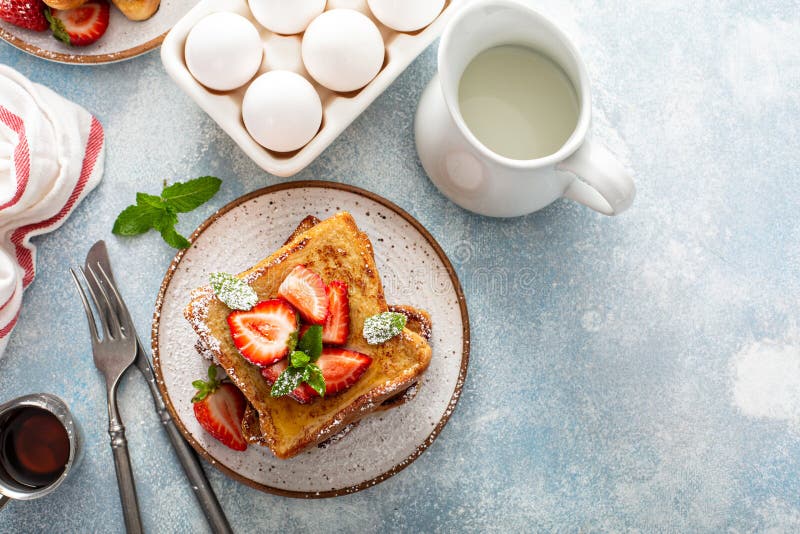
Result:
[
  {"x": 414, "y": 270},
  {"x": 89, "y": 31}
]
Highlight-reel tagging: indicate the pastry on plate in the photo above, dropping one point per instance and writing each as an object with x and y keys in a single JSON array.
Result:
[
  {"x": 137, "y": 9},
  {"x": 64, "y": 4}
]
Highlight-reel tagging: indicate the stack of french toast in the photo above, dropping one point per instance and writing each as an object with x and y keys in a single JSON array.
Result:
[{"x": 337, "y": 252}]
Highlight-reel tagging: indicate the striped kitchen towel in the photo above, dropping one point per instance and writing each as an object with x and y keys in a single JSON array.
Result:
[{"x": 51, "y": 156}]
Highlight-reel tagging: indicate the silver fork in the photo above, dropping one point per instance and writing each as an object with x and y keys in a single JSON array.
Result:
[
  {"x": 113, "y": 353},
  {"x": 98, "y": 257}
]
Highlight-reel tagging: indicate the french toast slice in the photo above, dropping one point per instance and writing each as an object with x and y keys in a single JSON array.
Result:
[
  {"x": 417, "y": 320},
  {"x": 335, "y": 249}
]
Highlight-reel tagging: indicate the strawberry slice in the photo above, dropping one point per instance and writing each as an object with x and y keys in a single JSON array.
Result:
[
  {"x": 302, "y": 393},
  {"x": 337, "y": 325},
  {"x": 28, "y": 14},
  {"x": 305, "y": 290},
  {"x": 265, "y": 333},
  {"x": 82, "y": 25},
  {"x": 219, "y": 408},
  {"x": 341, "y": 368}
]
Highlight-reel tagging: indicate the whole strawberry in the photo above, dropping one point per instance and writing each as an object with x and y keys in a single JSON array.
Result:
[
  {"x": 28, "y": 14},
  {"x": 219, "y": 408}
]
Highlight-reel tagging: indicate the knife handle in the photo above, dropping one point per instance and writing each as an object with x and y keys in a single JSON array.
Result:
[
  {"x": 194, "y": 472},
  {"x": 191, "y": 465}
]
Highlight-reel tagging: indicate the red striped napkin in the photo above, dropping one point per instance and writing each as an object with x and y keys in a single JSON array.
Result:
[{"x": 51, "y": 156}]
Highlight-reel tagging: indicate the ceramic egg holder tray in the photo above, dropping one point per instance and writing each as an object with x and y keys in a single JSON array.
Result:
[{"x": 283, "y": 52}]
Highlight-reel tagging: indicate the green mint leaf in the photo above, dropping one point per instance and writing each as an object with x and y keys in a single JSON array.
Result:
[
  {"x": 315, "y": 379},
  {"x": 382, "y": 327},
  {"x": 165, "y": 219},
  {"x": 174, "y": 239},
  {"x": 186, "y": 196},
  {"x": 165, "y": 224},
  {"x": 161, "y": 212},
  {"x": 299, "y": 359},
  {"x": 143, "y": 199},
  {"x": 287, "y": 382},
  {"x": 135, "y": 220},
  {"x": 311, "y": 342},
  {"x": 292, "y": 343},
  {"x": 232, "y": 291}
]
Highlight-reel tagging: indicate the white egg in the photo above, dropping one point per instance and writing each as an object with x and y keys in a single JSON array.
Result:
[
  {"x": 343, "y": 50},
  {"x": 406, "y": 15},
  {"x": 282, "y": 111},
  {"x": 286, "y": 16},
  {"x": 223, "y": 51}
]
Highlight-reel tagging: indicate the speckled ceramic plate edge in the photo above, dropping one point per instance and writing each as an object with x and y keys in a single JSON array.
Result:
[
  {"x": 76, "y": 59},
  {"x": 464, "y": 356}
]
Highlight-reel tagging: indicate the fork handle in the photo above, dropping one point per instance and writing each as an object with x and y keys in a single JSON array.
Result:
[{"x": 127, "y": 487}]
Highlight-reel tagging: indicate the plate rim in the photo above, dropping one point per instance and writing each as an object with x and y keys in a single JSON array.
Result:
[
  {"x": 87, "y": 59},
  {"x": 454, "y": 398}
]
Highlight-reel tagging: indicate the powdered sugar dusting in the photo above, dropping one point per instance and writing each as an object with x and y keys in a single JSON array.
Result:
[
  {"x": 383, "y": 327},
  {"x": 235, "y": 293}
]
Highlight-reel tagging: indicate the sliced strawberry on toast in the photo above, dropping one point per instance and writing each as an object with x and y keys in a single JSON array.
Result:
[
  {"x": 341, "y": 368},
  {"x": 305, "y": 290},
  {"x": 337, "y": 325},
  {"x": 302, "y": 393},
  {"x": 219, "y": 408},
  {"x": 266, "y": 333}
]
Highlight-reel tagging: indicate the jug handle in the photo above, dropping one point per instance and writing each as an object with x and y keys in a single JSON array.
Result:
[
  {"x": 4, "y": 500},
  {"x": 602, "y": 183}
]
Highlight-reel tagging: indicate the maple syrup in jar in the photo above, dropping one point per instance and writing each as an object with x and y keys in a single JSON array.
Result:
[{"x": 34, "y": 447}]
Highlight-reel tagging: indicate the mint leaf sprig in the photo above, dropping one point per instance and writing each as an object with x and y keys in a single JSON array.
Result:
[
  {"x": 302, "y": 366},
  {"x": 160, "y": 213}
]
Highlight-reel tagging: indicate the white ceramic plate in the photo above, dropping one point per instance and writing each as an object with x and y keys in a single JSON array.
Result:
[
  {"x": 124, "y": 38},
  {"x": 283, "y": 52},
  {"x": 415, "y": 271}
]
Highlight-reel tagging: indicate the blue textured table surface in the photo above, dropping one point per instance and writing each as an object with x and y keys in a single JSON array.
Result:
[{"x": 630, "y": 373}]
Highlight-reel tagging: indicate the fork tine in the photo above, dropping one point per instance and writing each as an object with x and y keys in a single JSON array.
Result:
[
  {"x": 113, "y": 328},
  {"x": 126, "y": 323},
  {"x": 86, "y": 308},
  {"x": 96, "y": 288},
  {"x": 101, "y": 310}
]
